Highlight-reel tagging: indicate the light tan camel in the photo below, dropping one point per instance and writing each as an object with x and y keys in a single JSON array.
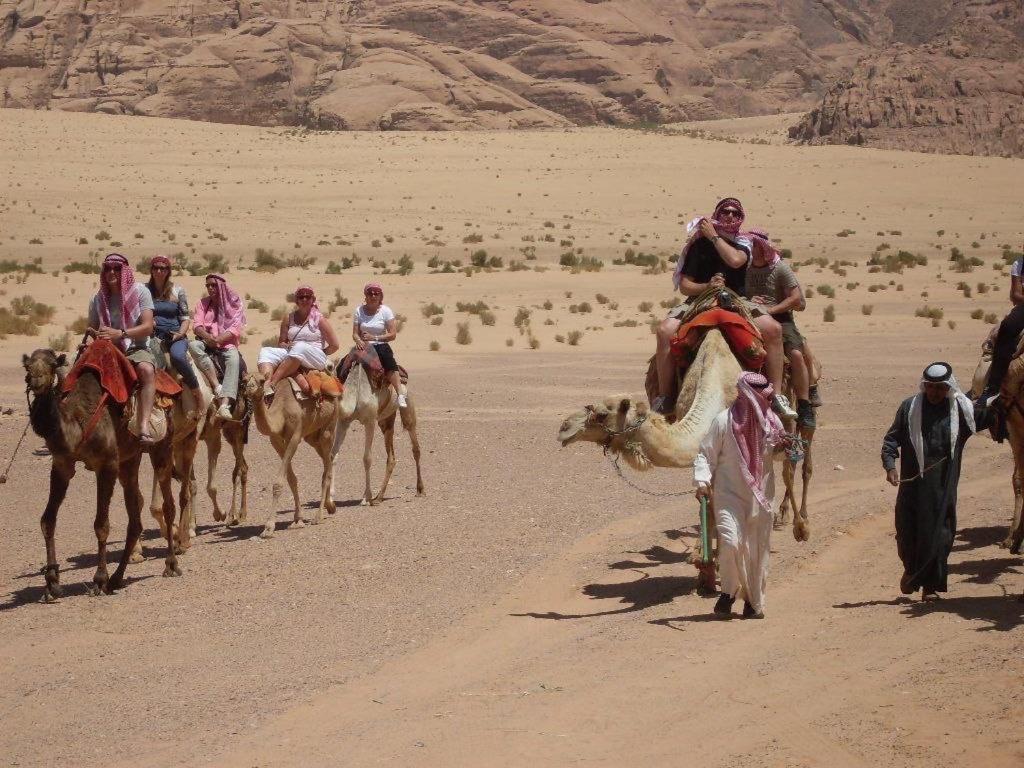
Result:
[
  {"x": 644, "y": 439},
  {"x": 109, "y": 450},
  {"x": 287, "y": 422},
  {"x": 1012, "y": 393},
  {"x": 360, "y": 402}
]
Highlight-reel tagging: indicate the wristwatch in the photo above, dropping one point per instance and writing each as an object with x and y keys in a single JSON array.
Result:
[
  {"x": 716, "y": 238},
  {"x": 124, "y": 334}
]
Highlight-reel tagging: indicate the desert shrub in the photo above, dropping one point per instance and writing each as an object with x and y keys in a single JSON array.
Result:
[
  {"x": 977, "y": 314},
  {"x": 79, "y": 325},
  {"x": 473, "y": 237},
  {"x": 936, "y": 322},
  {"x": 522, "y": 318},
  {"x": 437, "y": 319},
  {"x": 534, "y": 342},
  {"x": 584, "y": 307},
  {"x": 867, "y": 309},
  {"x": 86, "y": 267},
  {"x": 434, "y": 346},
  {"x": 258, "y": 305},
  {"x": 990, "y": 318},
  {"x": 829, "y": 315},
  {"x": 645, "y": 306},
  {"x": 559, "y": 338},
  {"x": 488, "y": 318},
  {"x": 34, "y": 266},
  {"x": 574, "y": 338},
  {"x": 336, "y": 301},
  {"x": 405, "y": 265},
  {"x": 629, "y": 323},
  {"x": 896, "y": 262},
  {"x": 279, "y": 313},
  {"x": 935, "y": 313},
  {"x": 637, "y": 259},
  {"x": 60, "y": 343},
  {"x": 26, "y": 306},
  {"x": 846, "y": 233},
  {"x": 826, "y": 290},
  {"x": 431, "y": 309},
  {"x": 473, "y": 308},
  {"x": 601, "y": 298},
  {"x": 375, "y": 243},
  {"x": 962, "y": 262},
  {"x": 983, "y": 288},
  {"x": 951, "y": 324},
  {"x": 1009, "y": 255},
  {"x": 434, "y": 262},
  {"x": 509, "y": 342},
  {"x": 547, "y": 304},
  {"x": 462, "y": 335},
  {"x": 517, "y": 266},
  {"x": 266, "y": 261}
]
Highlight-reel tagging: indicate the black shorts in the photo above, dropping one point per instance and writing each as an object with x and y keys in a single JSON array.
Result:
[{"x": 387, "y": 357}]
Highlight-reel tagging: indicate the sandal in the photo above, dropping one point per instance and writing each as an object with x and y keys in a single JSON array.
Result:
[{"x": 147, "y": 439}]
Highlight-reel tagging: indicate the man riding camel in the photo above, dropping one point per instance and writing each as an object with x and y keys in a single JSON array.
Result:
[{"x": 717, "y": 256}]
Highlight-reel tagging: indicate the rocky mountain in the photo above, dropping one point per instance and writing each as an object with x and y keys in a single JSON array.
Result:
[{"x": 443, "y": 64}]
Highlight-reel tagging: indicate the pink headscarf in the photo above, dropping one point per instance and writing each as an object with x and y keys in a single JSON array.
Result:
[
  {"x": 375, "y": 287},
  {"x": 730, "y": 231},
  {"x": 313, "y": 321},
  {"x": 754, "y": 427},
  {"x": 130, "y": 309},
  {"x": 230, "y": 310},
  {"x": 759, "y": 239}
]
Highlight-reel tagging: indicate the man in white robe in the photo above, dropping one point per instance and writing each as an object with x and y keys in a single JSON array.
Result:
[{"x": 734, "y": 469}]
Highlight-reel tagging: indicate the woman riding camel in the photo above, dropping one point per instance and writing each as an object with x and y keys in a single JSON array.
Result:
[
  {"x": 219, "y": 322},
  {"x": 304, "y": 341},
  {"x": 122, "y": 312},
  {"x": 715, "y": 256},
  {"x": 172, "y": 321},
  {"x": 374, "y": 323},
  {"x": 1005, "y": 343}
]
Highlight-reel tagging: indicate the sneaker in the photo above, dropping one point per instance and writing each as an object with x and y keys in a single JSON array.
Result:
[
  {"x": 224, "y": 411},
  {"x": 402, "y": 402},
  {"x": 781, "y": 406},
  {"x": 805, "y": 414},
  {"x": 723, "y": 608},
  {"x": 815, "y": 396}
]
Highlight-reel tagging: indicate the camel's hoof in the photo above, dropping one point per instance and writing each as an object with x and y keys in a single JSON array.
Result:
[
  {"x": 421, "y": 492},
  {"x": 94, "y": 589},
  {"x": 171, "y": 570},
  {"x": 1005, "y": 543},
  {"x": 298, "y": 523},
  {"x": 136, "y": 557},
  {"x": 1015, "y": 548},
  {"x": 218, "y": 515},
  {"x": 801, "y": 532},
  {"x": 265, "y": 534},
  {"x": 49, "y": 597},
  {"x": 364, "y": 503},
  {"x": 113, "y": 584},
  {"x": 232, "y": 523},
  {"x": 191, "y": 533}
]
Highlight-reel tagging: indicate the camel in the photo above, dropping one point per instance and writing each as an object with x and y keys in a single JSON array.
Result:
[
  {"x": 361, "y": 402},
  {"x": 187, "y": 434},
  {"x": 109, "y": 450},
  {"x": 287, "y": 422},
  {"x": 627, "y": 427},
  {"x": 1013, "y": 401}
]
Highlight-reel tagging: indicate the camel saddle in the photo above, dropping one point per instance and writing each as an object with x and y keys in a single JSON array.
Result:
[
  {"x": 370, "y": 361},
  {"x": 740, "y": 333}
]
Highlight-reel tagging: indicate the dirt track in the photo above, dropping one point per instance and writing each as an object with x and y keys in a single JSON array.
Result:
[{"x": 516, "y": 615}]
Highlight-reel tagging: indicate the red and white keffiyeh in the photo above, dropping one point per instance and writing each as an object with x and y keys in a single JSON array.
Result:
[
  {"x": 754, "y": 427},
  {"x": 313, "y": 320},
  {"x": 760, "y": 239},
  {"x": 131, "y": 311}
]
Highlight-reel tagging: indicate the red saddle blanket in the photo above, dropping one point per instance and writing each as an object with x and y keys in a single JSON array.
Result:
[
  {"x": 742, "y": 336},
  {"x": 116, "y": 373}
]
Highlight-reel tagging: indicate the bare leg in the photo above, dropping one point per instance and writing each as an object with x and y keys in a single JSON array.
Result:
[
  {"x": 61, "y": 472},
  {"x": 147, "y": 375},
  {"x": 266, "y": 370},
  {"x": 396, "y": 382},
  {"x": 798, "y": 374},
  {"x": 287, "y": 367},
  {"x": 664, "y": 363},
  {"x": 811, "y": 361},
  {"x": 771, "y": 335}
]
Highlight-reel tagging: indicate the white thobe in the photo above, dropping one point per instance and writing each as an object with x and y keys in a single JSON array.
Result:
[{"x": 743, "y": 526}]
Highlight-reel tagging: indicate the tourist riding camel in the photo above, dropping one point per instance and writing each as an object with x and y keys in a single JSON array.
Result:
[
  {"x": 122, "y": 312},
  {"x": 716, "y": 255},
  {"x": 928, "y": 437},
  {"x": 304, "y": 342},
  {"x": 773, "y": 286},
  {"x": 733, "y": 468},
  {"x": 172, "y": 321},
  {"x": 374, "y": 324},
  {"x": 1006, "y": 340},
  {"x": 219, "y": 322}
]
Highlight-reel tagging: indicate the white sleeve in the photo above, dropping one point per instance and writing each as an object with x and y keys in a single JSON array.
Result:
[
  {"x": 710, "y": 447},
  {"x": 1016, "y": 269},
  {"x": 387, "y": 313}
]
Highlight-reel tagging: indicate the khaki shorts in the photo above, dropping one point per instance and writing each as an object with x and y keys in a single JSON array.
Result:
[
  {"x": 791, "y": 337},
  {"x": 139, "y": 355}
]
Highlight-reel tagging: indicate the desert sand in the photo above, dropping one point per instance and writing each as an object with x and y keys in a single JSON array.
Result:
[{"x": 532, "y": 608}]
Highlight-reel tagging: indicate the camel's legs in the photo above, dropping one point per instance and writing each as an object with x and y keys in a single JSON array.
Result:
[
  {"x": 61, "y": 472},
  {"x": 387, "y": 427},
  {"x": 409, "y": 423},
  {"x": 324, "y": 450},
  {"x": 128, "y": 476},
  {"x": 163, "y": 467},
  {"x": 1016, "y": 533},
  {"x": 788, "y": 502},
  {"x": 239, "y": 476},
  {"x": 184, "y": 455},
  {"x": 368, "y": 462},
  {"x": 801, "y": 523},
  {"x": 213, "y": 445},
  {"x": 106, "y": 477},
  {"x": 339, "y": 439}
]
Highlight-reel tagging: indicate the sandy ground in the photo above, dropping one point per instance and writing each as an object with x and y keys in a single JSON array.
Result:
[{"x": 531, "y": 608}]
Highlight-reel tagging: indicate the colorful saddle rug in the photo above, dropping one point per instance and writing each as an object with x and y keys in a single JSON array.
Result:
[
  {"x": 368, "y": 358},
  {"x": 742, "y": 336}
]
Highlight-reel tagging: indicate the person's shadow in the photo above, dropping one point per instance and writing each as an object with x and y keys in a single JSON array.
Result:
[{"x": 998, "y": 612}]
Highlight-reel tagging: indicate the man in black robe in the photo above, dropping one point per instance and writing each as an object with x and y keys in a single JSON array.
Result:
[{"x": 928, "y": 436}]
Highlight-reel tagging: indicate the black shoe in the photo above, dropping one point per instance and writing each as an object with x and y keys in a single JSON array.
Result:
[
  {"x": 815, "y": 396},
  {"x": 723, "y": 608},
  {"x": 805, "y": 414},
  {"x": 750, "y": 613}
]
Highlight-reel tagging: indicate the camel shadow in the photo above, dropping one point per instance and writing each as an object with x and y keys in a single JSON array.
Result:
[
  {"x": 637, "y": 595},
  {"x": 1000, "y": 612},
  {"x": 978, "y": 537},
  {"x": 34, "y": 593},
  {"x": 656, "y": 556},
  {"x": 985, "y": 571}
]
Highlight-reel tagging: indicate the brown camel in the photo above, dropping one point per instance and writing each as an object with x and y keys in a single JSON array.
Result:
[
  {"x": 1012, "y": 397},
  {"x": 361, "y": 402},
  {"x": 626, "y": 426},
  {"x": 287, "y": 422},
  {"x": 110, "y": 451}
]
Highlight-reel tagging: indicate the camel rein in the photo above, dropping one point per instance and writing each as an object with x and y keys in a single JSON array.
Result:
[
  {"x": 611, "y": 434},
  {"x": 28, "y": 423}
]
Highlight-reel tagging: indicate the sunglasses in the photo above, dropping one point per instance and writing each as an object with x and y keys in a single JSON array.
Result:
[
  {"x": 303, "y": 296},
  {"x": 374, "y": 293},
  {"x": 210, "y": 285},
  {"x": 730, "y": 212},
  {"x": 159, "y": 269}
]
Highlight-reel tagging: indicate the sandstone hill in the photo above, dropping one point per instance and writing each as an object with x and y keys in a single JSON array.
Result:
[{"x": 462, "y": 64}]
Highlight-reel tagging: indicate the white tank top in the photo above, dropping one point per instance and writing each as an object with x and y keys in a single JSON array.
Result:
[{"x": 304, "y": 332}]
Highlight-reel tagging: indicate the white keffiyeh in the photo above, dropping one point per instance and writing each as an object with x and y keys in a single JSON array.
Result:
[{"x": 940, "y": 373}]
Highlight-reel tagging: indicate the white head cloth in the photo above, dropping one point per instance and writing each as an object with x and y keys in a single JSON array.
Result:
[{"x": 940, "y": 373}]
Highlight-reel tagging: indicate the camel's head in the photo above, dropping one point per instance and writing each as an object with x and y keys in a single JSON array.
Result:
[
  {"x": 596, "y": 423},
  {"x": 41, "y": 369},
  {"x": 252, "y": 385}
]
